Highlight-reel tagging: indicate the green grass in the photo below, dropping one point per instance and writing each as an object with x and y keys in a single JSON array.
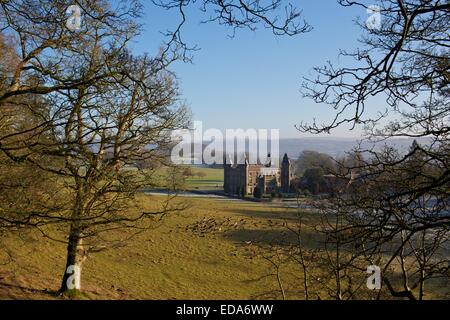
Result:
[
  {"x": 177, "y": 260},
  {"x": 201, "y": 178},
  {"x": 215, "y": 249},
  {"x": 212, "y": 179}
]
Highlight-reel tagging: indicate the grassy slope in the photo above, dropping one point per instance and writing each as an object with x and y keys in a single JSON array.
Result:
[
  {"x": 205, "y": 252},
  {"x": 180, "y": 259}
]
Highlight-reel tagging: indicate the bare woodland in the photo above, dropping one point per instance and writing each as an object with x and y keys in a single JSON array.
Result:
[{"x": 79, "y": 108}]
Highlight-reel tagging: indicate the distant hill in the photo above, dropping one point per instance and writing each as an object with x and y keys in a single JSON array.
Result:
[{"x": 334, "y": 146}]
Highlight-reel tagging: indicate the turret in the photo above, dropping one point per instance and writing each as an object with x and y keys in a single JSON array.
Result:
[{"x": 285, "y": 174}]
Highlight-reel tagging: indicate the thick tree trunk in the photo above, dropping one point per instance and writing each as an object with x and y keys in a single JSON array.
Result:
[{"x": 75, "y": 258}]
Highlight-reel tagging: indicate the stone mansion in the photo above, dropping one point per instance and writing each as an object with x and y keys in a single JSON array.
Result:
[{"x": 242, "y": 179}]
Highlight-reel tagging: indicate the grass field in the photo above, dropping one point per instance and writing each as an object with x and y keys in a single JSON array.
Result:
[
  {"x": 214, "y": 249},
  {"x": 204, "y": 252},
  {"x": 209, "y": 179},
  {"x": 201, "y": 179}
]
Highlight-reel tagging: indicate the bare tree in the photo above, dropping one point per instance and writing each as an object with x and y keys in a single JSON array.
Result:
[
  {"x": 281, "y": 17},
  {"x": 47, "y": 48},
  {"x": 398, "y": 207},
  {"x": 96, "y": 110}
]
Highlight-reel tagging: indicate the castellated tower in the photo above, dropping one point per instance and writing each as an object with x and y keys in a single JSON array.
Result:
[
  {"x": 285, "y": 174},
  {"x": 241, "y": 177}
]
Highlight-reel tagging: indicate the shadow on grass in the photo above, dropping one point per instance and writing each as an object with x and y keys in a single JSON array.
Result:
[
  {"x": 281, "y": 237},
  {"x": 280, "y": 214},
  {"x": 38, "y": 294},
  {"x": 27, "y": 290}
]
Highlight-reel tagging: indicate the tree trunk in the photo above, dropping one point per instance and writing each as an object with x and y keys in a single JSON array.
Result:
[{"x": 75, "y": 258}]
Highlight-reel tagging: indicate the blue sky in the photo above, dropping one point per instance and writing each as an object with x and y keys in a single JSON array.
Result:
[{"x": 253, "y": 80}]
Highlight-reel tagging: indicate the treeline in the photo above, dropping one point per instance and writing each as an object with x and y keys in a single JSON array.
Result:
[{"x": 317, "y": 172}]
